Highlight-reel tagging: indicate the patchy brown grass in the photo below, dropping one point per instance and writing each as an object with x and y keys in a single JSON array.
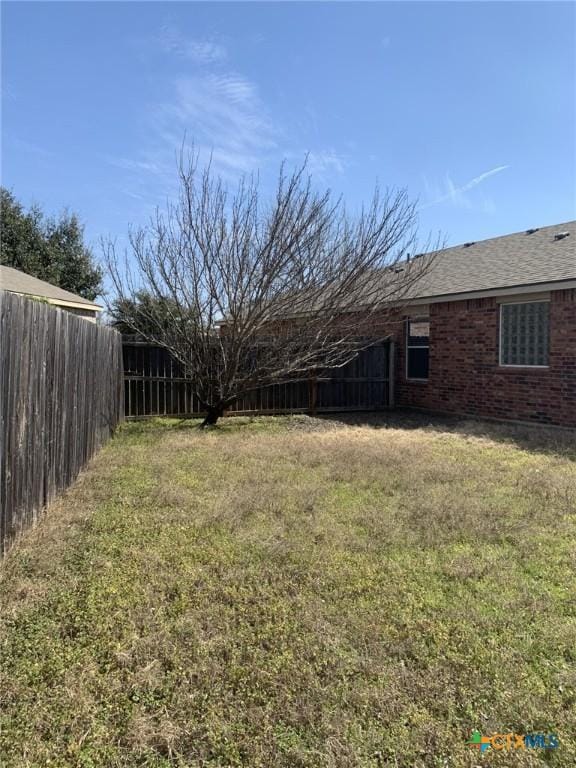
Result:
[{"x": 286, "y": 592}]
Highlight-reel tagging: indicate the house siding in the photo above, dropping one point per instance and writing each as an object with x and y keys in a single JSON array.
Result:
[
  {"x": 88, "y": 314},
  {"x": 465, "y": 376}
]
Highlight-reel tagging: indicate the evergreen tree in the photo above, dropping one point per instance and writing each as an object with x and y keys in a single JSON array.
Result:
[{"x": 50, "y": 249}]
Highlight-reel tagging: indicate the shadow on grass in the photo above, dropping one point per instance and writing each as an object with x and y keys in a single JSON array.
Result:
[
  {"x": 540, "y": 439},
  {"x": 225, "y": 425}
]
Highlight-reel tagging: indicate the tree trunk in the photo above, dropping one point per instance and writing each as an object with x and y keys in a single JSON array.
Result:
[{"x": 213, "y": 414}]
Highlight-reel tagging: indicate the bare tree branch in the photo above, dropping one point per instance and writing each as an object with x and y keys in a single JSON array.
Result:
[{"x": 244, "y": 294}]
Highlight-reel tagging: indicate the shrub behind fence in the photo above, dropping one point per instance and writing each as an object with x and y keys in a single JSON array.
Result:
[{"x": 60, "y": 399}]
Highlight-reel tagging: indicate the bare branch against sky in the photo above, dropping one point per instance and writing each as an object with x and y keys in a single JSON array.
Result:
[{"x": 247, "y": 291}]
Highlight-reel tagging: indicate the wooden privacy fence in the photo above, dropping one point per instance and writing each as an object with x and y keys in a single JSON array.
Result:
[
  {"x": 154, "y": 385},
  {"x": 61, "y": 398}
]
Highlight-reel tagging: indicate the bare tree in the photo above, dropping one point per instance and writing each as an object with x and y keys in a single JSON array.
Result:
[{"x": 248, "y": 292}]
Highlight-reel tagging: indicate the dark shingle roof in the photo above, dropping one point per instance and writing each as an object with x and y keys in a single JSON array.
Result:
[
  {"x": 19, "y": 282},
  {"x": 510, "y": 261}
]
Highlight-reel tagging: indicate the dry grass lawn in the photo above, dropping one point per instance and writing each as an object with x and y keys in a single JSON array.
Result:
[{"x": 275, "y": 594}]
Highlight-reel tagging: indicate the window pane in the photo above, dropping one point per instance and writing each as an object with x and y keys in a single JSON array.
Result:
[
  {"x": 524, "y": 333},
  {"x": 417, "y": 367},
  {"x": 419, "y": 332}
]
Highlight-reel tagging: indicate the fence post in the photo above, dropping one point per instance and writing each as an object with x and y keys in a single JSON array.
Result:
[
  {"x": 312, "y": 394},
  {"x": 391, "y": 376}
]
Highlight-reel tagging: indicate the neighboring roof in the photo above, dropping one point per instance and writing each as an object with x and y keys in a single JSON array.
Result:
[
  {"x": 529, "y": 258},
  {"x": 19, "y": 282}
]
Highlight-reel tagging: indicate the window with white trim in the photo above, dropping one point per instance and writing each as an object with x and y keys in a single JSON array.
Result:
[
  {"x": 524, "y": 330},
  {"x": 417, "y": 348}
]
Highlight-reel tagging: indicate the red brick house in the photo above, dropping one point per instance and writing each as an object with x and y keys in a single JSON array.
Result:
[
  {"x": 489, "y": 331},
  {"x": 492, "y": 330}
]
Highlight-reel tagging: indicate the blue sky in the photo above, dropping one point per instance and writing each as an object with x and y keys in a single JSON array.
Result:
[{"x": 471, "y": 106}]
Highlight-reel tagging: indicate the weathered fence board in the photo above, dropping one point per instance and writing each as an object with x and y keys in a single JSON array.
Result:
[
  {"x": 61, "y": 398},
  {"x": 155, "y": 385}
]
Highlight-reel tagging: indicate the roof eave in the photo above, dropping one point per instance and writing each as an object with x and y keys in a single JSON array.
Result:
[
  {"x": 74, "y": 304},
  {"x": 506, "y": 290},
  {"x": 62, "y": 302}
]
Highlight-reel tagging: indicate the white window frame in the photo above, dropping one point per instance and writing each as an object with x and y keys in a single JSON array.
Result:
[
  {"x": 416, "y": 319},
  {"x": 500, "y": 327}
]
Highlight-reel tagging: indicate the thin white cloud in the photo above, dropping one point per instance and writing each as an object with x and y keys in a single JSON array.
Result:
[
  {"x": 479, "y": 179},
  {"x": 457, "y": 194},
  {"x": 129, "y": 164},
  {"x": 131, "y": 193},
  {"x": 200, "y": 51},
  {"x": 7, "y": 92},
  {"x": 225, "y": 118},
  {"x": 488, "y": 205},
  {"x": 326, "y": 161},
  {"x": 30, "y": 148},
  {"x": 224, "y": 114}
]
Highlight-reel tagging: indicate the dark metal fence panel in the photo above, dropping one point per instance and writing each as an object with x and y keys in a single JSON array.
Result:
[
  {"x": 154, "y": 385},
  {"x": 61, "y": 398}
]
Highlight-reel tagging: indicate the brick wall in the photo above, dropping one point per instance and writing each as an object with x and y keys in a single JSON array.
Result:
[{"x": 465, "y": 376}]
